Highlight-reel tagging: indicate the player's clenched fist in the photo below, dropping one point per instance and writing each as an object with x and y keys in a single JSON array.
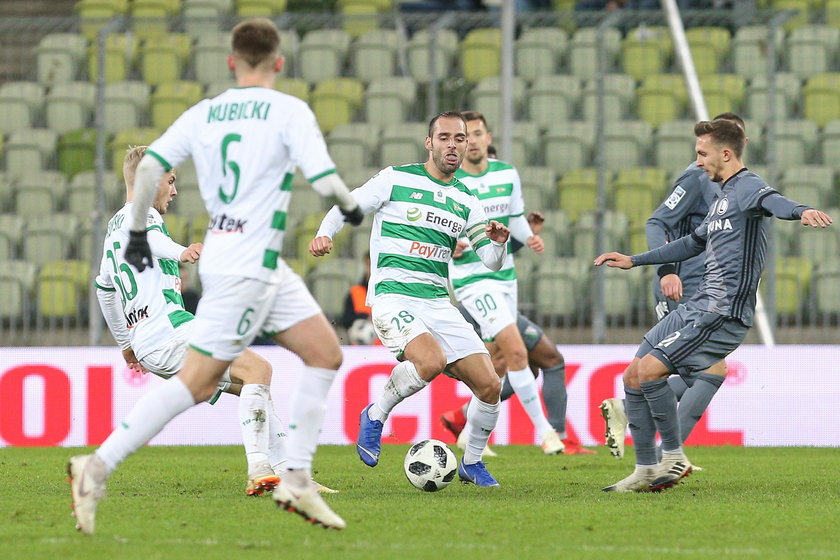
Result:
[
  {"x": 192, "y": 253},
  {"x": 320, "y": 246},
  {"x": 497, "y": 232}
]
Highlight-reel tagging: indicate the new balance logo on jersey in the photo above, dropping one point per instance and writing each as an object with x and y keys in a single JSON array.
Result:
[
  {"x": 416, "y": 196},
  {"x": 718, "y": 225},
  {"x": 454, "y": 227},
  {"x": 226, "y": 224},
  {"x": 427, "y": 251},
  {"x": 135, "y": 316}
]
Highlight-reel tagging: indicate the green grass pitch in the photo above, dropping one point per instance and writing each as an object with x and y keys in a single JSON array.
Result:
[{"x": 189, "y": 502}]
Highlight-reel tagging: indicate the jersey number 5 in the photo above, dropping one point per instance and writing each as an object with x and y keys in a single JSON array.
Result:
[{"x": 229, "y": 164}]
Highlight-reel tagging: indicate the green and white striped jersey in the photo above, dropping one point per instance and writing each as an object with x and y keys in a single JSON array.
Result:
[
  {"x": 417, "y": 223},
  {"x": 500, "y": 192},
  {"x": 152, "y": 306}
]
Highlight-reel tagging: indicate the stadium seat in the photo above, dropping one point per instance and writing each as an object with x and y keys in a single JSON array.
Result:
[
  {"x": 674, "y": 146},
  {"x": 201, "y": 17},
  {"x": 661, "y": 98},
  {"x": 444, "y": 46},
  {"x": 579, "y": 192},
  {"x": 827, "y": 287},
  {"x": 723, "y": 92},
  {"x": 626, "y": 143},
  {"x": 793, "y": 280},
  {"x": 487, "y": 98},
  {"x": 69, "y": 106},
  {"x": 709, "y": 46},
  {"x": 77, "y": 151},
  {"x": 330, "y": 281},
  {"x": 293, "y": 86},
  {"x": 812, "y": 49},
  {"x": 62, "y": 286},
  {"x": 539, "y": 178},
  {"x": 335, "y": 101},
  {"x": 818, "y": 176},
  {"x": 30, "y": 150},
  {"x": 795, "y": 142},
  {"x": 480, "y": 54},
  {"x": 21, "y": 104},
  {"x": 553, "y": 99},
  {"x": 60, "y": 57},
  {"x": 561, "y": 287},
  {"x": 614, "y": 230},
  {"x": 171, "y": 99},
  {"x": 818, "y": 246},
  {"x": 750, "y": 48},
  {"x": 49, "y": 237},
  {"x": 389, "y": 100},
  {"x": 822, "y": 98},
  {"x": 121, "y": 52},
  {"x": 618, "y": 96},
  {"x": 17, "y": 279},
  {"x": 113, "y": 187},
  {"x": 352, "y": 145},
  {"x": 11, "y": 232},
  {"x": 758, "y": 96},
  {"x": 642, "y": 58},
  {"x": 584, "y": 48},
  {"x": 375, "y": 54},
  {"x": 94, "y": 14},
  {"x": 322, "y": 54},
  {"x": 210, "y": 57},
  {"x": 359, "y": 18},
  {"x": 402, "y": 143},
  {"x": 622, "y": 289},
  {"x": 150, "y": 18},
  {"x": 126, "y": 105},
  {"x": 539, "y": 52},
  {"x": 525, "y": 143},
  {"x": 164, "y": 57},
  {"x": 568, "y": 146},
  {"x": 830, "y": 144},
  {"x": 130, "y": 137},
  {"x": 53, "y": 181},
  {"x": 257, "y": 8}
]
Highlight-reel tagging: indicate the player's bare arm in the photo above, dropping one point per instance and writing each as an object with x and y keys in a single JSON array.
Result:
[
  {"x": 815, "y": 218},
  {"x": 192, "y": 253},
  {"x": 320, "y": 246},
  {"x": 497, "y": 232},
  {"x": 614, "y": 260}
]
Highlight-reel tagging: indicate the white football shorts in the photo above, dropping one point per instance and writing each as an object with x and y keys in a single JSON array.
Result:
[
  {"x": 399, "y": 319},
  {"x": 234, "y": 310},
  {"x": 492, "y": 305},
  {"x": 168, "y": 359}
]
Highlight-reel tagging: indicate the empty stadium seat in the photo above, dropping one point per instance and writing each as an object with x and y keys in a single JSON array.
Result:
[
  {"x": 210, "y": 57},
  {"x": 62, "y": 287},
  {"x": 584, "y": 48},
  {"x": 618, "y": 96},
  {"x": 126, "y": 105},
  {"x": 822, "y": 98},
  {"x": 480, "y": 54},
  {"x": 444, "y": 46},
  {"x": 164, "y": 57},
  {"x": 674, "y": 145},
  {"x": 77, "y": 151},
  {"x": 352, "y": 145},
  {"x": 402, "y": 143},
  {"x": 568, "y": 146},
  {"x": 487, "y": 98},
  {"x": 293, "y": 86},
  {"x": 69, "y": 106},
  {"x": 21, "y": 104},
  {"x": 827, "y": 287},
  {"x": 539, "y": 51},
  {"x": 31, "y": 149},
  {"x": 335, "y": 101},
  {"x": 389, "y": 100},
  {"x": 750, "y": 50},
  {"x": 626, "y": 143},
  {"x": 322, "y": 54},
  {"x": 121, "y": 52},
  {"x": 552, "y": 99},
  {"x": 787, "y": 96},
  {"x": 60, "y": 57},
  {"x": 375, "y": 54},
  {"x": 812, "y": 49},
  {"x": 171, "y": 99},
  {"x": 264, "y": 8},
  {"x": 130, "y": 137}
]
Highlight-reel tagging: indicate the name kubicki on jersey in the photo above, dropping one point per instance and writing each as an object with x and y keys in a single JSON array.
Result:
[
  {"x": 227, "y": 224},
  {"x": 238, "y": 111}
]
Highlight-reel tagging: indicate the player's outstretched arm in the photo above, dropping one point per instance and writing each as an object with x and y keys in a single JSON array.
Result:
[
  {"x": 614, "y": 260},
  {"x": 320, "y": 246},
  {"x": 815, "y": 218}
]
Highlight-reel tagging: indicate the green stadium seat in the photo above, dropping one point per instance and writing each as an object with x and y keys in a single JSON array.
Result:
[
  {"x": 62, "y": 287},
  {"x": 389, "y": 100},
  {"x": 641, "y": 59},
  {"x": 584, "y": 48},
  {"x": 793, "y": 280},
  {"x": 293, "y": 86},
  {"x": 359, "y": 18},
  {"x": 30, "y": 150},
  {"x": 709, "y": 46},
  {"x": 486, "y": 98},
  {"x": 723, "y": 92},
  {"x": 653, "y": 179},
  {"x": 579, "y": 192},
  {"x": 257, "y": 8},
  {"x": 210, "y": 57},
  {"x": 568, "y": 146},
  {"x": 553, "y": 99},
  {"x": 480, "y": 56},
  {"x": 77, "y": 151},
  {"x": 126, "y": 105},
  {"x": 402, "y": 143},
  {"x": 21, "y": 104},
  {"x": 336, "y": 100},
  {"x": 94, "y": 14},
  {"x": 164, "y": 57},
  {"x": 322, "y": 54},
  {"x": 69, "y": 106},
  {"x": 49, "y": 237},
  {"x": 445, "y": 46},
  {"x": 375, "y": 54},
  {"x": 60, "y": 57},
  {"x": 802, "y": 9},
  {"x": 121, "y": 52},
  {"x": 352, "y": 145},
  {"x": 171, "y": 99},
  {"x": 539, "y": 52},
  {"x": 827, "y": 287},
  {"x": 130, "y": 137},
  {"x": 822, "y": 98}
]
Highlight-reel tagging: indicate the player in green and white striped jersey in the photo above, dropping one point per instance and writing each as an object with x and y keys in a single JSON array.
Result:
[
  {"x": 420, "y": 211},
  {"x": 491, "y": 297}
]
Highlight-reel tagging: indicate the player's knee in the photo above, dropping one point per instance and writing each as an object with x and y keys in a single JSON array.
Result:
[
  {"x": 554, "y": 359},
  {"x": 650, "y": 368},
  {"x": 430, "y": 365},
  {"x": 517, "y": 357},
  {"x": 333, "y": 358},
  {"x": 488, "y": 391},
  {"x": 631, "y": 374}
]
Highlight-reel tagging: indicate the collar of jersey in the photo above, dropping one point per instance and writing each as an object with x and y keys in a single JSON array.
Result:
[{"x": 438, "y": 181}]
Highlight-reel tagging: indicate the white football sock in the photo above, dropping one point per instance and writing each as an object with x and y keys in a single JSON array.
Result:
[
  {"x": 404, "y": 382},
  {"x": 148, "y": 417},
  {"x": 254, "y": 423},
  {"x": 276, "y": 441},
  {"x": 481, "y": 420},
  {"x": 309, "y": 406},
  {"x": 525, "y": 387}
]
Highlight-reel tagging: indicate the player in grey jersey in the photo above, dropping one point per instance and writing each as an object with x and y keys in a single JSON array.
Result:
[
  {"x": 701, "y": 333},
  {"x": 680, "y": 213}
]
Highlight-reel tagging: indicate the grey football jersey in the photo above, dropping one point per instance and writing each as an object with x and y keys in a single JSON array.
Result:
[
  {"x": 681, "y": 213},
  {"x": 735, "y": 230}
]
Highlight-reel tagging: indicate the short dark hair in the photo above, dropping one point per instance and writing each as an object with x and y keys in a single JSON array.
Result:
[
  {"x": 445, "y": 115},
  {"x": 732, "y": 117},
  {"x": 475, "y": 116},
  {"x": 256, "y": 41},
  {"x": 724, "y": 132}
]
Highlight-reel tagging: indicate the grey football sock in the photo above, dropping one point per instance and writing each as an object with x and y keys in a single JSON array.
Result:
[
  {"x": 663, "y": 408},
  {"x": 555, "y": 397},
  {"x": 678, "y": 386},
  {"x": 641, "y": 426},
  {"x": 696, "y": 400}
]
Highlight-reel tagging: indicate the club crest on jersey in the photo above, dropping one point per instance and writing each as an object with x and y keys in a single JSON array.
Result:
[
  {"x": 439, "y": 196},
  {"x": 413, "y": 214},
  {"x": 675, "y": 197},
  {"x": 723, "y": 206}
]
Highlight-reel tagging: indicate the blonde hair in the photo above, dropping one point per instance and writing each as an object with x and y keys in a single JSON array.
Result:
[{"x": 132, "y": 158}]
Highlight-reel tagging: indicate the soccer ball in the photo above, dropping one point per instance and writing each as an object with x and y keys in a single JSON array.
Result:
[
  {"x": 361, "y": 332},
  {"x": 430, "y": 465}
]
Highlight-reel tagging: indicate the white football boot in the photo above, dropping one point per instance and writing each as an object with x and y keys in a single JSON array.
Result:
[
  {"x": 297, "y": 494},
  {"x": 87, "y": 485},
  {"x": 551, "y": 443},
  {"x": 673, "y": 467},
  {"x": 638, "y": 481},
  {"x": 612, "y": 411}
]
